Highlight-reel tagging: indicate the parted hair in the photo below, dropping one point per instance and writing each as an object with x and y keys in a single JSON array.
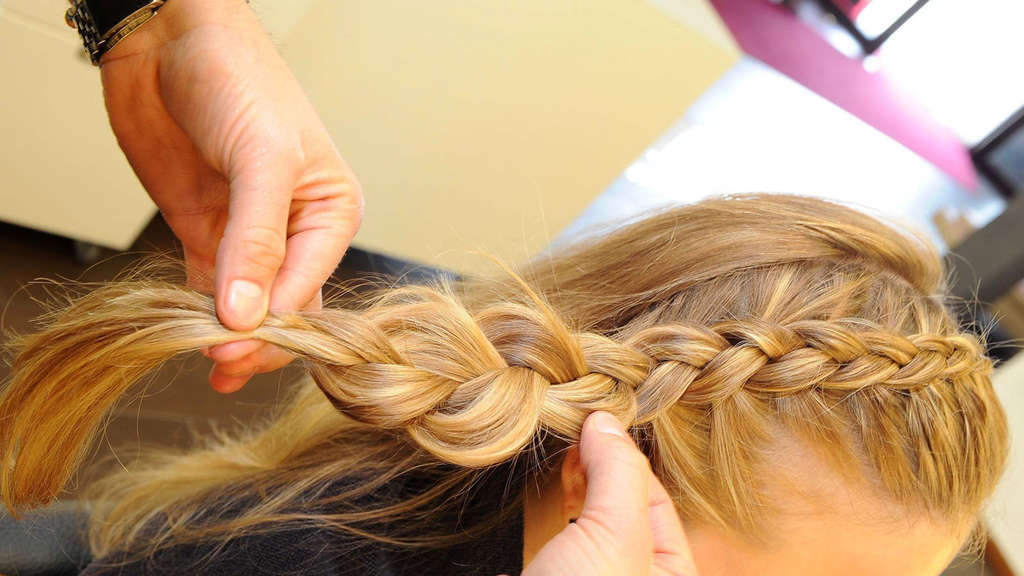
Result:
[{"x": 712, "y": 329}]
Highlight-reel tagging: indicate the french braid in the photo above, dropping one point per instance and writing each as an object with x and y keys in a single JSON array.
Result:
[
  {"x": 421, "y": 362},
  {"x": 714, "y": 330}
]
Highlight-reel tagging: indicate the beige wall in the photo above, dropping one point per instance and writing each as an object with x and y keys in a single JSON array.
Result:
[
  {"x": 491, "y": 124},
  {"x": 484, "y": 124},
  {"x": 699, "y": 15},
  {"x": 60, "y": 168}
]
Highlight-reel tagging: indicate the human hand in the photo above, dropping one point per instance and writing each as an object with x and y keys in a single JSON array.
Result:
[
  {"x": 226, "y": 143},
  {"x": 628, "y": 525}
]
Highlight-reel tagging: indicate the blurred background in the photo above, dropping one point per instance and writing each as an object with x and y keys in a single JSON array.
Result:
[{"x": 511, "y": 126}]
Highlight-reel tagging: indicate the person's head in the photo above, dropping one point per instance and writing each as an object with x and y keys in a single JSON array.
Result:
[
  {"x": 790, "y": 367},
  {"x": 804, "y": 390}
]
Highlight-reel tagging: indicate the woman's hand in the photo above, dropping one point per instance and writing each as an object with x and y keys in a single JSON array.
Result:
[
  {"x": 226, "y": 143},
  {"x": 629, "y": 526}
]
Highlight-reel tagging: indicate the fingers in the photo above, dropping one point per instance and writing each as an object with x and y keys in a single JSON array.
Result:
[
  {"x": 629, "y": 503},
  {"x": 615, "y": 511},
  {"x": 253, "y": 246},
  {"x": 327, "y": 214},
  {"x": 248, "y": 259},
  {"x": 237, "y": 362},
  {"x": 229, "y": 378}
]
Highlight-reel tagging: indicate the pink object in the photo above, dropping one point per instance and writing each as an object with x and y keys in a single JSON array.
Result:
[
  {"x": 852, "y": 8},
  {"x": 775, "y": 36}
]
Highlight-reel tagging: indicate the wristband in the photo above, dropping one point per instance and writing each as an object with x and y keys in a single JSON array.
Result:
[{"x": 104, "y": 23}]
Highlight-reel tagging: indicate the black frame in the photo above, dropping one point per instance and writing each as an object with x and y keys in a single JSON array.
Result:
[
  {"x": 869, "y": 45},
  {"x": 981, "y": 152}
]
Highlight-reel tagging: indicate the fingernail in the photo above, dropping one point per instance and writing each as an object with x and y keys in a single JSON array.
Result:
[
  {"x": 605, "y": 423},
  {"x": 245, "y": 300}
]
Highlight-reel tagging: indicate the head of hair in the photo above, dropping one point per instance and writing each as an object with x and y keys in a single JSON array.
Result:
[{"x": 714, "y": 330}]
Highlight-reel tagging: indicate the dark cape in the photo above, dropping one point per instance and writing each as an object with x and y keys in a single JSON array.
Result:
[{"x": 316, "y": 551}]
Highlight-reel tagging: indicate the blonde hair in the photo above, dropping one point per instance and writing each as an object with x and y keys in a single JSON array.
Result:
[{"x": 712, "y": 329}]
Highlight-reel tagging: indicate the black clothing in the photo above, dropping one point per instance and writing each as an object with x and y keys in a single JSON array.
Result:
[{"x": 316, "y": 551}]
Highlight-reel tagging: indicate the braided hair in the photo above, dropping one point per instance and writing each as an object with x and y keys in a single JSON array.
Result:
[{"x": 710, "y": 329}]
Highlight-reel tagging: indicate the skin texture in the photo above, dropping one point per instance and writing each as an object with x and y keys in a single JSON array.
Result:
[
  {"x": 830, "y": 545},
  {"x": 828, "y": 527},
  {"x": 223, "y": 138}
]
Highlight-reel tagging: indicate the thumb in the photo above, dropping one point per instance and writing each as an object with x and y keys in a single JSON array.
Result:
[
  {"x": 627, "y": 501},
  {"x": 615, "y": 506},
  {"x": 253, "y": 246}
]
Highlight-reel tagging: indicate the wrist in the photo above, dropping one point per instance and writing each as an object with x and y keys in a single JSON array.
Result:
[{"x": 178, "y": 17}]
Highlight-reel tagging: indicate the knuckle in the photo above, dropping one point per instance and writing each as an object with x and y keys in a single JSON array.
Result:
[
  {"x": 353, "y": 202},
  {"x": 261, "y": 248},
  {"x": 629, "y": 456},
  {"x": 359, "y": 208}
]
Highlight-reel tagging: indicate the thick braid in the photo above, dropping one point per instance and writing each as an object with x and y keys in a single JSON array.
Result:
[
  {"x": 737, "y": 336},
  {"x": 455, "y": 371},
  {"x": 420, "y": 361}
]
